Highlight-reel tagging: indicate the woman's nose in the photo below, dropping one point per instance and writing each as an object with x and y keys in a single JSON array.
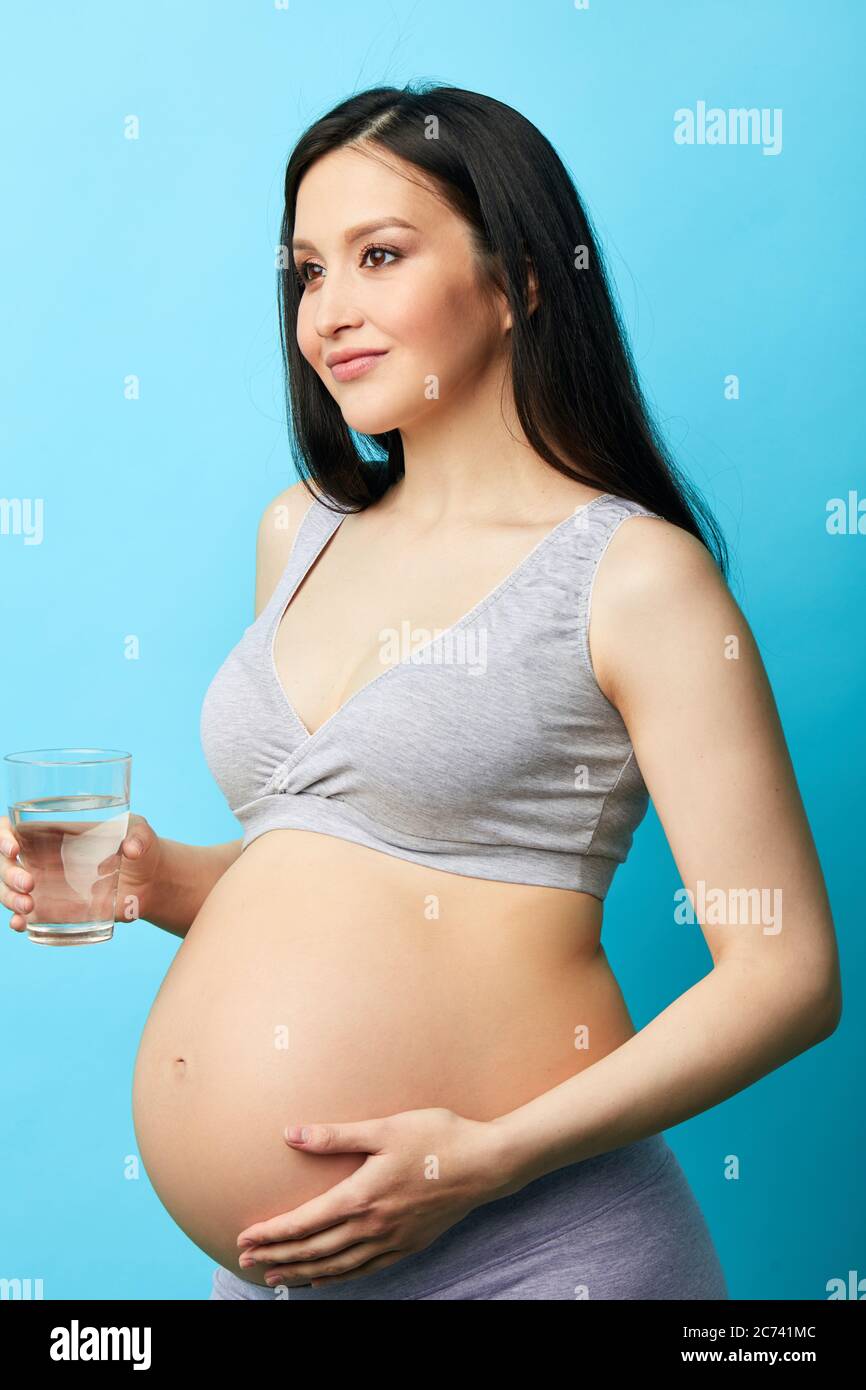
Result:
[{"x": 335, "y": 307}]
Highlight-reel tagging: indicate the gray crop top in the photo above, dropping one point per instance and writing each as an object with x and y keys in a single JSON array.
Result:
[{"x": 490, "y": 751}]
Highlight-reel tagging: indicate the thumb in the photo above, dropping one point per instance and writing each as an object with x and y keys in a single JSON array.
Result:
[
  {"x": 361, "y": 1136},
  {"x": 139, "y": 838}
]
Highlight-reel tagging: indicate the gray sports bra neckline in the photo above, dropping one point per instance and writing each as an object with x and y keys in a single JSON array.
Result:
[{"x": 330, "y": 529}]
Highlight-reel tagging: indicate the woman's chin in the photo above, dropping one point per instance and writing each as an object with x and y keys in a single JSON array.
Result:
[{"x": 369, "y": 419}]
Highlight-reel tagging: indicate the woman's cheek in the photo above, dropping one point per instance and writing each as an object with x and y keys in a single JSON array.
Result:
[{"x": 305, "y": 341}]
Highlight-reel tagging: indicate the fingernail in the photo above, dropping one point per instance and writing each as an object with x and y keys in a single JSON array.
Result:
[
  {"x": 136, "y": 845},
  {"x": 8, "y": 848}
]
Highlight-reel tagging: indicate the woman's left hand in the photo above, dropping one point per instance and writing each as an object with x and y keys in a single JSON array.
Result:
[{"x": 425, "y": 1170}]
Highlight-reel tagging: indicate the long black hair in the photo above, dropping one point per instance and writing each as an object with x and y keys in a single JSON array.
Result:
[{"x": 575, "y": 384}]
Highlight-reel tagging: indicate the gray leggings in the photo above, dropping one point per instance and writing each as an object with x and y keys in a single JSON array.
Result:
[{"x": 624, "y": 1224}]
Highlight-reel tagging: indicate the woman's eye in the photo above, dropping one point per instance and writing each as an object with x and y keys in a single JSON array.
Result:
[
  {"x": 300, "y": 273},
  {"x": 304, "y": 279},
  {"x": 385, "y": 250}
]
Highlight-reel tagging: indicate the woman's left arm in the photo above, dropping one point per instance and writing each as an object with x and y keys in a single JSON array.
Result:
[{"x": 672, "y": 650}]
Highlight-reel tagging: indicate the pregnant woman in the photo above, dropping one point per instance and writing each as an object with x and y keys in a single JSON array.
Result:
[{"x": 490, "y": 621}]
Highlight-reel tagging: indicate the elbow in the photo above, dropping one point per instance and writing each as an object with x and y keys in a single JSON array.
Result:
[
  {"x": 825, "y": 1010},
  {"x": 812, "y": 1005},
  {"x": 809, "y": 1002},
  {"x": 834, "y": 1017},
  {"x": 818, "y": 989}
]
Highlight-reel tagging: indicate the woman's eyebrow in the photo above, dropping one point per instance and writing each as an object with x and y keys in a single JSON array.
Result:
[{"x": 354, "y": 233}]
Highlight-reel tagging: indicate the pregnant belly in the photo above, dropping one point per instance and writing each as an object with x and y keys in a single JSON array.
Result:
[{"x": 324, "y": 981}]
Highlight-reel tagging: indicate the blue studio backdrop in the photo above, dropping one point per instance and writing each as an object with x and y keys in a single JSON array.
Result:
[{"x": 740, "y": 274}]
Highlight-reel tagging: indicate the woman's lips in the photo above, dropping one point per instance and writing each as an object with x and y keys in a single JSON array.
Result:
[{"x": 356, "y": 366}]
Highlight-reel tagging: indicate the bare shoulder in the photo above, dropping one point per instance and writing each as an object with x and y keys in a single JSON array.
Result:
[
  {"x": 656, "y": 587},
  {"x": 276, "y": 535}
]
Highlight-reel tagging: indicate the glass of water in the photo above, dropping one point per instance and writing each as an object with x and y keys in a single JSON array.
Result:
[{"x": 69, "y": 810}]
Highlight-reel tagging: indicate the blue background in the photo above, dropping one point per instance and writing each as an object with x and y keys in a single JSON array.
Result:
[{"x": 156, "y": 257}]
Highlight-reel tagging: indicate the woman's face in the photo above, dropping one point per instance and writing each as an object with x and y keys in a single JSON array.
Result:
[{"x": 413, "y": 293}]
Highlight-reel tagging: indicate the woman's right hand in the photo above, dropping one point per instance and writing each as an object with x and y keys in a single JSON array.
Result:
[{"x": 140, "y": 855}]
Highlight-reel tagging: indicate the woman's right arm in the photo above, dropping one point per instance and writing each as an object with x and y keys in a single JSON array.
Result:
[
  {"x": 166, "y": 882},
  {"x": 161, "y": 881},
  {"x": 187, "y": 873}
]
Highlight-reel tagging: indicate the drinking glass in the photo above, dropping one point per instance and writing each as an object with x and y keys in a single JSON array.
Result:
[{"x": 69, "y": 809}]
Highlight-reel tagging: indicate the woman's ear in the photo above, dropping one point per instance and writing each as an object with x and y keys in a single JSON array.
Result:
[
  {"x": 532, "y": 294},
  {"x": 533, "y": 286}
]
